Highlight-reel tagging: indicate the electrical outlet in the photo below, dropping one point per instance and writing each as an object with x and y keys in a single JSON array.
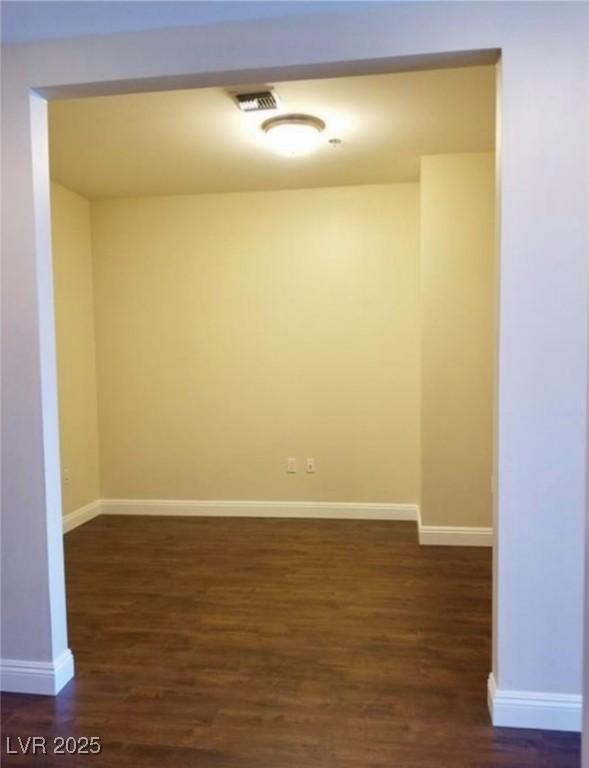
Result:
[
  {"x": 291, "y": 466},
  {"x": 66, "y": 477},
  {"x": 310, "y": 466}
]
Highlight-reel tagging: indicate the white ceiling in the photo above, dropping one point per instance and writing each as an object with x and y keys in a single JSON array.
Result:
[
  {"x": 186, "y": 142},
  {"x": 27, "y": 21}
]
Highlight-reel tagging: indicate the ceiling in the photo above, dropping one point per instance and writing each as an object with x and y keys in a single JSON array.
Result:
[
  {"x": 197, "y": 141},
  {"x": 30, "y": 20}
]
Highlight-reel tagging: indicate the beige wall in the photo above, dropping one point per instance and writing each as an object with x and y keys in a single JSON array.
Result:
[
  {"x": 234, "y": 331},
  {"x": 457, "y": 295},
  {"x": 74, "y": 315}
]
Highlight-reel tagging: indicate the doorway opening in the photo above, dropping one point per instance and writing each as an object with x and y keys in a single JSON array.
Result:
[
  {"x": 242, "y": 333},
  {"x": 156, "y": 506}
]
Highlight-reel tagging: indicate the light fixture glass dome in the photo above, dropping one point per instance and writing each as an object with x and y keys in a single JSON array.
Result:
[{"x": 293, "y": 135}]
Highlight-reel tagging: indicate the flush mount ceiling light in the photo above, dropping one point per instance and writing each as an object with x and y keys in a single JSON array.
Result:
[{"x": 293, "y": 135}]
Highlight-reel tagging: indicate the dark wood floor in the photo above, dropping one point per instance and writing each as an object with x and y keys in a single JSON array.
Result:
[{"x": 225, "y": 643}]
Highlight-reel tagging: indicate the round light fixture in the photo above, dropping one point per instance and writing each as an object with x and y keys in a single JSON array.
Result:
[{"x": 293, "y": 135}]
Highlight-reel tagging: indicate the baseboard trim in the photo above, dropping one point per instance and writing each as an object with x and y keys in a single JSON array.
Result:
[
  {"x": 455, "y": 536},
  {"x": 294, "y": 509},
  {"x": 429, "y": 535},
  {"x": 532, "y": 709},
  {"x": 37, "y": 677},
  {"x": 82, "y": 515}
]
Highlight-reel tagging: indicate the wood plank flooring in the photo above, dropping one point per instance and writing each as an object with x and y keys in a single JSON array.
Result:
[{"x": 240, "y": 643}]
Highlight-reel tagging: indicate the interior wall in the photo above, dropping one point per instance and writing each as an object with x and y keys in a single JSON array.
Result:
[
  {"x": 76, "y": 354},
  {"x": 457, "y": 338},
  {"x": 236, "y": 330}
]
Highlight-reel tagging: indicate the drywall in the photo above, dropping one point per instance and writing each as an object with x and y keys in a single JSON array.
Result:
[
  {"x": 543, "y": 242},
  {"x": 76, "y": 358},
  {"x": 457, "y": 279},
  {"x": 234, "y": 331}
]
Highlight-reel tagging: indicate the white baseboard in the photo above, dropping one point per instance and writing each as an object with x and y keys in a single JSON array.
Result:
[
  {"x": 428, "y": 534},
  {"x": 532, "y": 709},
  {"x": 41, "y": 677},
  {"x": 82, "y": 515},
  {"x": 452, "y": 535},
  {"x": 294, "y": 509}
]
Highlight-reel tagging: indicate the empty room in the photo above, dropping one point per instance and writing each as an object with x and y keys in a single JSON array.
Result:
[
  {"x": 274, "y": 326},
  {"x": 301, "y": 433}
]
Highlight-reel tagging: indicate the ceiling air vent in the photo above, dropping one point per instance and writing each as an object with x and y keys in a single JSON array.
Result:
[{"x": 257, "y": 101}]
